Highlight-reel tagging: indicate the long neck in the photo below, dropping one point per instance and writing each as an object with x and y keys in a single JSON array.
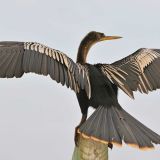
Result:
[{"x": 83, "y": 50}]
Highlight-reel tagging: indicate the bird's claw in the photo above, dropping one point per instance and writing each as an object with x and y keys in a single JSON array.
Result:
[
  {"x": 76, "y": 136},
  {"x": 110, "y": 145}
]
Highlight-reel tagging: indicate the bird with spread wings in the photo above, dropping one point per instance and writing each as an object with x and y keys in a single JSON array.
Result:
[{"x": 95, "y": 85}]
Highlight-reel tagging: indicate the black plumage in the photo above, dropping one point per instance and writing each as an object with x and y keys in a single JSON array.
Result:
[{"x": 95, "y": 85}]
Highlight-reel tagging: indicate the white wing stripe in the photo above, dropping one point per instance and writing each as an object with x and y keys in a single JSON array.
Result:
[{"x": 145, "y": 58}]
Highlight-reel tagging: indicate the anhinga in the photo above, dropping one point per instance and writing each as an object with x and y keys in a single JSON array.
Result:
[{"x": 95, "y": 85}]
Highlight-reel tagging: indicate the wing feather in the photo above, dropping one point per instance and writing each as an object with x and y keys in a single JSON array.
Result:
[
  {"x": 44, "y": 67},
  {"x": 145, "y": 73},
  {"x": 142, "y": 70},
  {"x": 11, "y": 65},
  {"x": 17, "y": 58},
  {"x": 61, "y": 74}
]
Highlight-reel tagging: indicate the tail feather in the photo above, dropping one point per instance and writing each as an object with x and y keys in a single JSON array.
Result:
[
  {"x": 123, "y": 127},
  {"x": 112, "y": 124},
  {"x": 155, "y": 138},
  {"x": 140, "y": 138},
  {"x": 114, "y": 135}
]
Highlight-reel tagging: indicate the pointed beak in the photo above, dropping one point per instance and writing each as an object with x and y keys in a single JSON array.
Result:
[{"x": 110, "y": 38}]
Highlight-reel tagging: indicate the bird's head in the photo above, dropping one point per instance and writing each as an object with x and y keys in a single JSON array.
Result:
[
  {"x": 95, "y": 37},
  {"x": 88, "y": 41}
]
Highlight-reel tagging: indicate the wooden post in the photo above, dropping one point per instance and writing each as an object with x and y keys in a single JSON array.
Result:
[{"x": 89, "y": 149}]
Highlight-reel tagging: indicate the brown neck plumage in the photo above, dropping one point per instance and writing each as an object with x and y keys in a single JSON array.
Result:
[{"x": 83, "y": 50}]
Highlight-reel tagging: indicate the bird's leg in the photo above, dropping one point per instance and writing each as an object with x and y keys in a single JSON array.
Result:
[
  {"x": 110, "y": 145},
  {"x": 83, "y": 119}
]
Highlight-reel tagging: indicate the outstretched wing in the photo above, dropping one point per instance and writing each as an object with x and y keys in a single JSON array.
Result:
[
  {"x": 17, "y": 58},
  {"x": 138, "y": 71}
]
